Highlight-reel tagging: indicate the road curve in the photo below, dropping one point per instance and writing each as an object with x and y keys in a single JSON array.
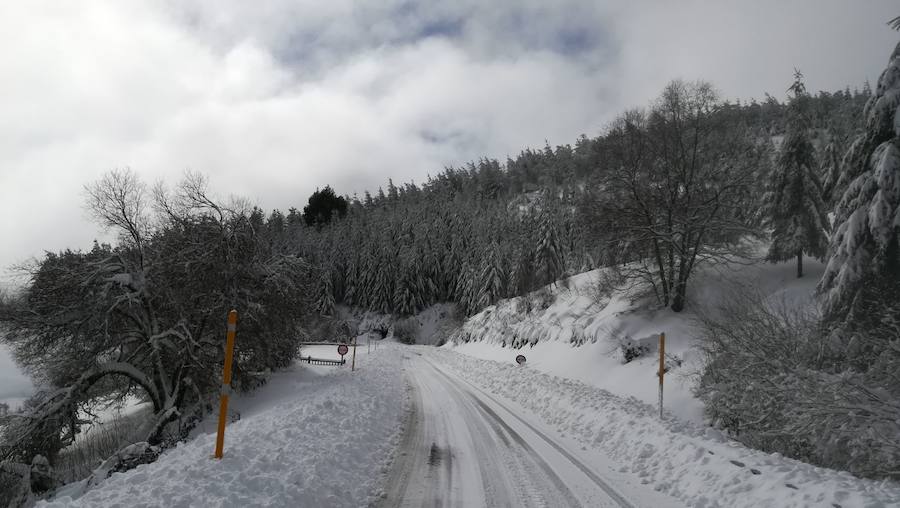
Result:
[{"x": 463, "y": 448}]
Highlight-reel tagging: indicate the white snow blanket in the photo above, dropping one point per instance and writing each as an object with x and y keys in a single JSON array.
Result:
[
  {"x": 692, "y": 463},
  {"x": 313, "y": 436}
]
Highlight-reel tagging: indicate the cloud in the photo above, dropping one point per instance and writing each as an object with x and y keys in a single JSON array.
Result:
[{"x": 274, "y": 99}]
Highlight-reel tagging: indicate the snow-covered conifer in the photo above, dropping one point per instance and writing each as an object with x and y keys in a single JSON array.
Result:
[
  {"x": 831, "y": 168},
  {"x": 549, "y": 253},
  {"x": 796, "y": 210},
  {"x": 324, "y": 304},
  {"x": 492, "y": 280},
  {"x": 863, "y": 252}
]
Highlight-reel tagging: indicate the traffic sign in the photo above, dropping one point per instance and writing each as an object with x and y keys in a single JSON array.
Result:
[
  {"x": 342, "y": 349},
  {"x": 520, "y": 359}
]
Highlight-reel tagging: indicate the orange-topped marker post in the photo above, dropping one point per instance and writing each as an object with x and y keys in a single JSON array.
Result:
[{"x": 226, "y": 382}]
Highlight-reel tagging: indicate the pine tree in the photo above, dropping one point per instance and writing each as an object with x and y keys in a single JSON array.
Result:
[
  {"x": 492, "y": 281},
  {"x": 549, "y": 254},
  {"x": 831, "y": 168},
  {"x": 863, "y": 253},
  {"x": 796, "y": 209},
  {"x": 324, "y": 303}
]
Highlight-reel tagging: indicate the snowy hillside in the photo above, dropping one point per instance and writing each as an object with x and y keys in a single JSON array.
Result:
[{"x": 579, "y": 334}]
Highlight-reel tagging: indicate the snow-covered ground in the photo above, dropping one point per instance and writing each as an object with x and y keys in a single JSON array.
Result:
[
  {"x": 550, "y": 337},
  {"x": 624, "y": 441},
  {"x": 465, "y": 448},
  {"x": 312, "y": 436},
  {"x": 478, "y": 433}
]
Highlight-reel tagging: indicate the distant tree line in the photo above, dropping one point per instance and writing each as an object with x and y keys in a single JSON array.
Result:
[{"x": 662, "y": 191}]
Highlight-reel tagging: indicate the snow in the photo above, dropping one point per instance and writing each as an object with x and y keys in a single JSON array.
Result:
[
  {"x": 689, "y": 462},
  {"x": 435, "y": 323},
  {"x": 312, "y": 436},
  {"x": 576, "y": 314},
  {"x": 464, "y": 448}
]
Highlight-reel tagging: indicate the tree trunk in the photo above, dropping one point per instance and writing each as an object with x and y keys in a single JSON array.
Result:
[
  {"x": 799, "y": 264},
  {"x": 678, "y": 298}
]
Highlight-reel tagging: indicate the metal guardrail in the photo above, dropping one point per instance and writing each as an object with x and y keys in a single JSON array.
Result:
[{"x": 321, "y": 361}]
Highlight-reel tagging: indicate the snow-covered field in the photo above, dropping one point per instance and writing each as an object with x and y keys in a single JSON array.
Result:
[
  {"x": 576, "y": 317},
  {"x": 313, "y": 436}
]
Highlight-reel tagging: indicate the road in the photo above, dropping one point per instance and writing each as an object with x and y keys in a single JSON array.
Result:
[{"x": 464, "y": 448}]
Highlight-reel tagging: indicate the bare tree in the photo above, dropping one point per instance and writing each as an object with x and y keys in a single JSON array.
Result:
[{"x": 676, "y": 189}]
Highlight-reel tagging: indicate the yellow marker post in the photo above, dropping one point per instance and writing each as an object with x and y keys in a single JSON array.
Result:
[
  {"x": 662, "y": 369},
  {"x": 353, "y": 361},
  {"x": 226, "y": 382}
]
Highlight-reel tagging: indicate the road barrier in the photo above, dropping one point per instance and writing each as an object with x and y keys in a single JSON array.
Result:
[{"x": 321, "y": 361}]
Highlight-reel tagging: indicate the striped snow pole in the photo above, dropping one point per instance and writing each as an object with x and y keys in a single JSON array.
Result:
[{"x": 226, "y": 382}]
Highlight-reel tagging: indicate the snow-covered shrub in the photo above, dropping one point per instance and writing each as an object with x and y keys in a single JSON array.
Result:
[
  {"x": 406, "y": 330},
  {"x": 22, "y": 440},
  {"x": 776, "y": 381},
  {"x": 10, "y": 485},
  {"x": 23, "y": 484},
  {"x": 124, "y": 459},
  {"x": 632, "y": 349},
  {"x": 97, "y": 443},
  {"x": 578, "y": 337},
  {"x": 523, "y": 305},
  {"x": 608, "y": 281},
  {"x": 541, "y": 299}
]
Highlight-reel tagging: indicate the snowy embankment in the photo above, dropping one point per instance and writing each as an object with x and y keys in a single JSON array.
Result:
[
  {"x": 578, "y": 333},
  {"x": 692, "y": 463},
  {"x": 313, "y": 436}
]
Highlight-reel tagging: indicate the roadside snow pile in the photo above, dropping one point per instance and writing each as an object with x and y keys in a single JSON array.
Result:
[
  {"x": 311, "y": 437},
  {"x": 689, "y": 462},
  {"x": 572, "y": 329}
]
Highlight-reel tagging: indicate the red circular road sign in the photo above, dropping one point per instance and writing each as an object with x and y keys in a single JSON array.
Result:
[
  {"x": 342, "y": 349},
  {"x": 520, "y": 359}
]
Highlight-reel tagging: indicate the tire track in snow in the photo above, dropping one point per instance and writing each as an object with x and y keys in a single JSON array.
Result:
[
  {"x": 600, "y": 482},
  {"x": 452, "y": 456},
  {"x": 525, "y": 470}
]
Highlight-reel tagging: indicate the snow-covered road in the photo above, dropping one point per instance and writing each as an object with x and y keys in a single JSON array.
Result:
[
  {"x": 480, "y": 433},
  {"x": 463, "y": 447}
]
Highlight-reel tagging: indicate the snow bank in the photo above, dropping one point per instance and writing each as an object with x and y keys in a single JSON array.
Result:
[
  {"x": 313, "y": 436},
  {"x": 689, "y": 462},
  {"x": 578, "y": 334}
]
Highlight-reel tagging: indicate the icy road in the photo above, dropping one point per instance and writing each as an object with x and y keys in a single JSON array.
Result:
[{"x": 463, "y": 447}]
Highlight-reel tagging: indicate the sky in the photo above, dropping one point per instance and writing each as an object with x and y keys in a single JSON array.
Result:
[{"x": 271, "y": 100}]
